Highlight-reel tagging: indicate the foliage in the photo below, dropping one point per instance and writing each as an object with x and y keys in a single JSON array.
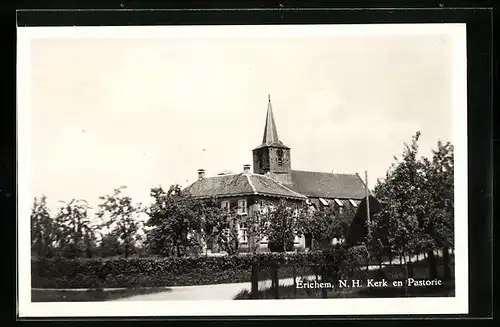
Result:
[
  {"x": 75, "y": 232},
  {"x": 257, "y": 223},
  {"x": 119, "y": 214},
  {"x": 42, "y": 229},
  {"x": 417, "y": 198},
  {"x": 327, "y": 224},
  {"x": 175, "y": 222},
  {"x": 167, "y": 271},
  {"x": 282, "y": 225},
  {"x": 439, "y": 178}
]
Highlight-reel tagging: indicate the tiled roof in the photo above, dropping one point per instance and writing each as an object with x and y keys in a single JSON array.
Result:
[
  {"x": 239, "y": 184},
  {"x": 268, "y": 186},
  {"x": 327, "y": 185}
]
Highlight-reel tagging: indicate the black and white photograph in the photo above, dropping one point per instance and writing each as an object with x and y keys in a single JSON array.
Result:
[{"x": 312, "y": 169}]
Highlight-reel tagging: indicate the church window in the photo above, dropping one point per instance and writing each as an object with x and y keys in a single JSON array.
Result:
[{"x": 280, "y": 157}]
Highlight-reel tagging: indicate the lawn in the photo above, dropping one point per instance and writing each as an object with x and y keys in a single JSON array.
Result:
[
  {"x": 90, "y": 295},
  {"x": 389, "y": 272}
]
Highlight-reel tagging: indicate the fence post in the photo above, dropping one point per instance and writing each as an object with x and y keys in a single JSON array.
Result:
[
  {"x": 294, "y": 274},
  {"x": 406, "y": 277},
  {"x": 275, "y": 281},
  {"x": 255, "y": 281},
  {"x": 323, "y": 281}
]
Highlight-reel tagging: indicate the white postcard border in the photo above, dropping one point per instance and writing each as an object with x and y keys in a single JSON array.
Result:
[{"x": 455, "y": 305}]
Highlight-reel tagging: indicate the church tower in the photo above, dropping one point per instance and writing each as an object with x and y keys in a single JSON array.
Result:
[{"x": 272, "y": 157}]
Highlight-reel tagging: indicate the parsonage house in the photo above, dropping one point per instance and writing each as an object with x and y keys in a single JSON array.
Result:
[{"x": 271, "y": 179}]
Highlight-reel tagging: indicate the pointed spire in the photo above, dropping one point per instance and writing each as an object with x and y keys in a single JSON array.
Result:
[{"x": 270, "y": 132}]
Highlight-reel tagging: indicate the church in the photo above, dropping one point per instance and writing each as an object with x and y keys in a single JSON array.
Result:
[{"x": 271, "y": 179}]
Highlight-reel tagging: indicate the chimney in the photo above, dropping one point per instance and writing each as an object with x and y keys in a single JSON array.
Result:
[
  {"x": 201, "y": 173},
  {"x": 246, "y": 169}
]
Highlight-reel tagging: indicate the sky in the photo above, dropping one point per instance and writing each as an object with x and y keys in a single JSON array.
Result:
[{"x": 146, "y": 112}]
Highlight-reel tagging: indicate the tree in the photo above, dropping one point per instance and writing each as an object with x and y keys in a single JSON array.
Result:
[
  {"x": 211, "y": 221},
  {"x": 75, "y": 233},
  {"x": 228, "y": 238},
  {"x": 175, "y": 221},
  {"x": 42, "y": 229},
  {"x": 256, "y": 223},
  {"x": 119, "y": 214},
  {"x": 417, "y": 211},
  {"x": 326, "y": 224},
  {"x": 397, "y": 226},
  {"x": 282, "y": 227},
  {"x": 438, "y": 225}
]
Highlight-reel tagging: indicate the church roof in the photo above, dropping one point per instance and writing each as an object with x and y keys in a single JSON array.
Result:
[
  {"x": 327, "y": 185},
  {"x": 270, "y": 138},
  {"x": 238, "y": 185}
]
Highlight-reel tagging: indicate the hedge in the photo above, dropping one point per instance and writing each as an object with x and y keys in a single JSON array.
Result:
[{"x": 170, "y": 271}]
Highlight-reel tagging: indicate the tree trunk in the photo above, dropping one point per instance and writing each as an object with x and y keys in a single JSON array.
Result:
[
  {"x": 432, "y": 264},
  {"x": 446, "y": 263},
  {"x": 410, "y": 268},
  {"x": 126, "y": 250}
]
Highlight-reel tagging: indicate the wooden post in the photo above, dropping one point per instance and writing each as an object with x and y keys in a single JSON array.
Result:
[
  {"x": 255, "y": 281},
  {"x": 367, "y": 200},
  {"x": 406, "y": 275},
  {"x": 275, "y": 281},
  {"x": 324, "y": 292},
  {"x": 294, "y": 274}
]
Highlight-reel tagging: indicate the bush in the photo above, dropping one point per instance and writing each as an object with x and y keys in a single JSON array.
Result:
[{"x": 151, "y": 271}]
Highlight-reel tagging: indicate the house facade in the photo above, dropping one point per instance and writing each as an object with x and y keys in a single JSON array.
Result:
[{"x": 272, "y": 179}]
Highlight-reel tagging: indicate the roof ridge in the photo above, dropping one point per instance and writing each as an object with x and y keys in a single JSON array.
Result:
[
  {"x": 323, "y": 172},
  {"x": 251, "y": 184},
  {"x": 286, "y": 188},
  {"x": 223, "y": 175}
]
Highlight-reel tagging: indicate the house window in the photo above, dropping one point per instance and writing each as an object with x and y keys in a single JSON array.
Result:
[
  {"x": 262, "y": 208},
  {"x": 225, "y": 206},
  {"x": 242, "y": 207},
  {"x": 226, "y": 233},
  {"x": 243, "y": 232},
  {"x": 354, "y": 204}
]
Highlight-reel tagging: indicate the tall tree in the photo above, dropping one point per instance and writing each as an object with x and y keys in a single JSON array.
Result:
[
  {"x": 438, "y": 226},
  {"x": 228, "y": 239},
  {"x": 175, "y": 221},
  {"x": 42, "y": 229},
  {"x": 119, "y": 214},
  {"x": 398, "y": 229},
  {"x": 256, "y": 223},
  {"x": 75, "y": 231},
  {"x": 283, "y": 225},
  {"x": 212, "y": 222}
]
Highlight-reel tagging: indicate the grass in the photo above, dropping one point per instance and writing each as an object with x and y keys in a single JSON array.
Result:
[
  {"x": 390, "y": 273},
  {"x": 90, "y": 295}
]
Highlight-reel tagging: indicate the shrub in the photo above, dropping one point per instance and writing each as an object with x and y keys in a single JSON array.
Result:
[{"x": 171, "y": 271}]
